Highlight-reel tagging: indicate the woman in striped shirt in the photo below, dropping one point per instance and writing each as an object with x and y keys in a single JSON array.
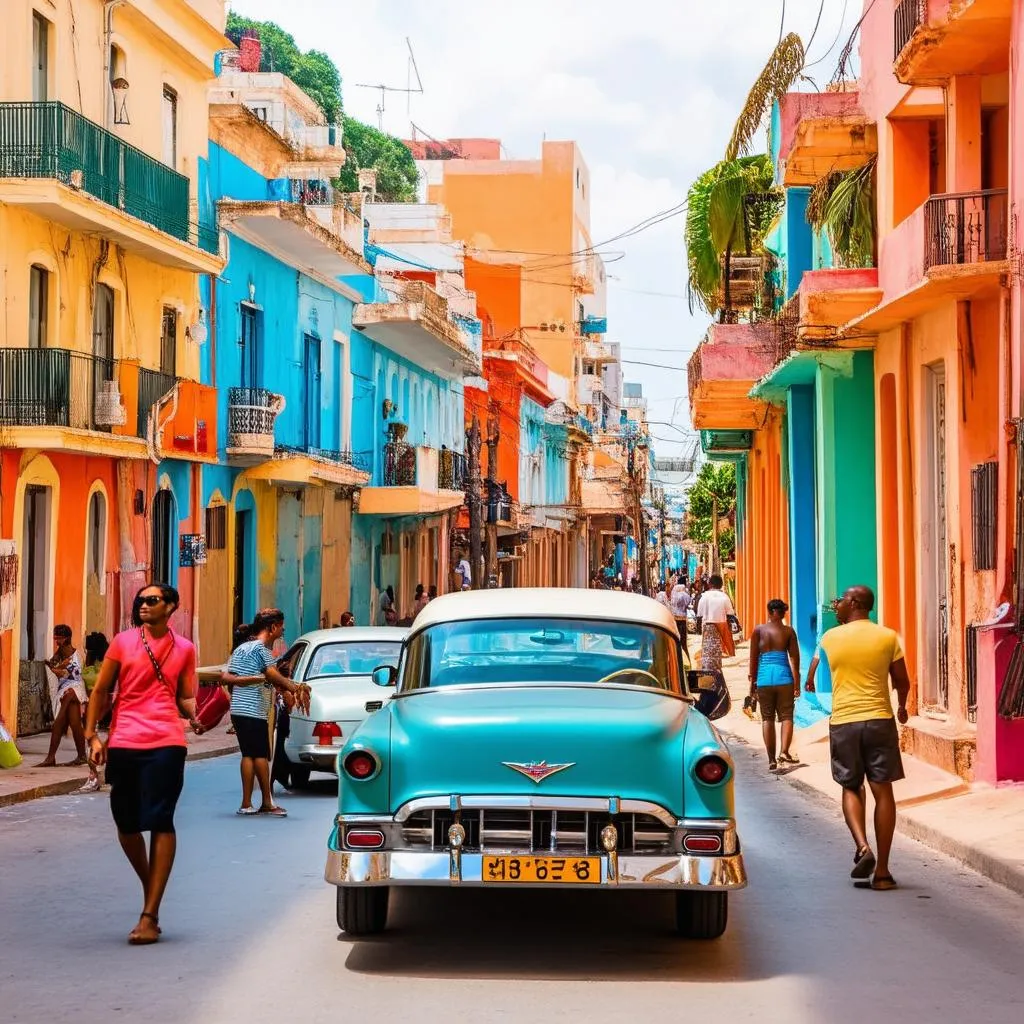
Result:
[{"x": 252, "y": 676}]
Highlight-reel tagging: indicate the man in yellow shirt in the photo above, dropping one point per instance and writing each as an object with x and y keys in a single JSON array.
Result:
[{"x": 863, "y": 738}]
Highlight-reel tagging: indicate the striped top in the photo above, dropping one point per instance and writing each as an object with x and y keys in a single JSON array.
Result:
[{"x": 252, "y": 658}]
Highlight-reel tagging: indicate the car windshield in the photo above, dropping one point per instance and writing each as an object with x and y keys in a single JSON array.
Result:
[
  {"x": 352, "y": 659},
  {"x": 535, "y": 650}
]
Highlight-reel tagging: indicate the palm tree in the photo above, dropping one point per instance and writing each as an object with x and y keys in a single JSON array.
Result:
[
  {"x": 842, "y": 203},
  {"x": 721, "y": 219}
]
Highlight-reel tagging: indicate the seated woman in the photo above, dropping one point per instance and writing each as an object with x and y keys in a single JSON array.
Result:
[{"x": 64, "y": 670}]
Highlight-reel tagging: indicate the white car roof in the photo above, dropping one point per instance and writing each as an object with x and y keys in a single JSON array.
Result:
[
  {"x": 352, "y": 634},
  {"x": 545, "y": 603}
]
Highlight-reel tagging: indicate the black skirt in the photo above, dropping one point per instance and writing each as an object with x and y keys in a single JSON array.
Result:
[{"x": 144, "y": 787}]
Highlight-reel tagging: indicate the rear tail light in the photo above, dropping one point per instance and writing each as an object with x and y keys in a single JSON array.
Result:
[
  {"x": 361, "y": 765},
  {"x": 711, "y": 770},
  {"x": 364, "y": 839},
  {"x": 702, "y": 844},
  {"x": 326, "y": 733}
]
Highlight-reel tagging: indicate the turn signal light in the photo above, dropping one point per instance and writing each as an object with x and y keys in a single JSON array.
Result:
[
  {"x": 360, "y": 765},
  {"x": 326, "y": 733},
  {"x": 364, "y": 839},
  {"x": 711, "y": 770},
  {"x": 702, "y": 844}
]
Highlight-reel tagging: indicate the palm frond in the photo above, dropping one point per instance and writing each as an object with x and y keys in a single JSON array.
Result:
[
  {"x": 842, "y": 203},
  {"x": 783, "y": 69}
]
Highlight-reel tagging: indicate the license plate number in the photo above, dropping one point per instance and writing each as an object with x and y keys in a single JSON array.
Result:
[{"x": 541, "y": 870}]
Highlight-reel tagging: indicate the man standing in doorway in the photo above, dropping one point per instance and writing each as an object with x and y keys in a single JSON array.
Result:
[{"x": 863, "y": 737}]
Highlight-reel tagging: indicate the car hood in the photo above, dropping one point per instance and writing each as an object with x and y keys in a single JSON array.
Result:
[
  {"x": 616, "y": 741},
  {"x": 342, "y": 699}
]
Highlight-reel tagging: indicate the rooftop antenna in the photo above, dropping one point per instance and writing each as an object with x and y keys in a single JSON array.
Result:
[{"x": 410, "y": 70}]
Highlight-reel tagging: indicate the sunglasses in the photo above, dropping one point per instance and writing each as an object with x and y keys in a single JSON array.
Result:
[{"x": 151, "y": 601}]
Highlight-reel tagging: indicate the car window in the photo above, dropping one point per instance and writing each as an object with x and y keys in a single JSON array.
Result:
[
  {"x": 530, "y": 650},
  {"x": 351, "y": 659},
  {"x": 288, "y": 661}
]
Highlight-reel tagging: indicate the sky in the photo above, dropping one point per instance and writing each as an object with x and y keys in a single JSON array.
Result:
[{"x": 649, "y": 89}]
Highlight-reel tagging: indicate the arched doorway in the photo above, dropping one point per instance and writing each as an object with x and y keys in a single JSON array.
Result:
[{"x": 165, "y": 536}]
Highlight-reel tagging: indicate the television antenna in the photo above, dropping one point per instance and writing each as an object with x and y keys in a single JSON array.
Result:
[{"x": 410, "y": 70}]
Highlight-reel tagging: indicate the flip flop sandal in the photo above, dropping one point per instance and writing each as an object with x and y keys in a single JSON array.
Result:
[
  {"x": 277, "y": 811},
  {"x": 788, "y": 759},
  {"x": 884, "y": 883},
  {"x": 246, "y": 811},
  {"x": 863, "y": 863},
  {"x": 773, "y": 766},
  {"x": 148, "y": 940}
]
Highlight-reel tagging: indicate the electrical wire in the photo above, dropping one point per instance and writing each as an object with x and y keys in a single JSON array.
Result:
[
  {"x": 839, "y": 33},
  {"x": 810, "y": 42}
]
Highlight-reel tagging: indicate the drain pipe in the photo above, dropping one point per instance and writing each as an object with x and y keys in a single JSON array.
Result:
[{"x": 153, "y": 430}]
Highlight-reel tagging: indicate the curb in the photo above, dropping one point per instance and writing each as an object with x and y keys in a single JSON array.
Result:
[
  {"x": 70, "y": 785},
  {"x": 986, "y": 864}
]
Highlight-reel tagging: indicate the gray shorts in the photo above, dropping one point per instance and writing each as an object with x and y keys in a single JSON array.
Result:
[{"x": 870, "y": 749}]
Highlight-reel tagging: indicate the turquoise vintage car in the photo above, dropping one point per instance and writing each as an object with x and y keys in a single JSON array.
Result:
[{"x": 537, "y": 738}]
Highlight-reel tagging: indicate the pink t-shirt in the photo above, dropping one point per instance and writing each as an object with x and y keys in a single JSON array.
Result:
[{"x": 145, "y": 710}]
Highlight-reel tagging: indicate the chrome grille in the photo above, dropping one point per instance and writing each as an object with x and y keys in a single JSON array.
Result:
[{"x": 538, "y": 830}]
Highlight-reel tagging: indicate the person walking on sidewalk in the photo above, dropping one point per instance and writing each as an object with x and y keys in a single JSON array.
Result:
[
  {"x": 775, "y": 679},
  {"x": 679, "y": 600},
  {"x": 154, "y": 670},
  {"x": 252, "y": 676},
  {"x": 863, "y": 739},
  {"x": 713, "y": 611}
]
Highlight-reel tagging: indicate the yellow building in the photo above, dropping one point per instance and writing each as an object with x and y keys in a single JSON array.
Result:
[{"x": 103, "y": 426}]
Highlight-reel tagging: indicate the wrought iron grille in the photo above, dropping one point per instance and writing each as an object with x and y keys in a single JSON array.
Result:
[
  {"x": 54, "y": 387},
  {"x": 907, "y": 19},
  {"x": 251, "y": 411},
  {"x": 966, "y": 227},
  {"x": 971, "y": 657},
  {"x": 153, "y": 385},
  {"x": 452, "y": 470},
  {"x": 191, "y": 550},
  {"x": 50, "y": 140},
  {"x": 984, "y": 482},
  {"x": 399, "y": 464},
  {"x": 358, "y": 460}
]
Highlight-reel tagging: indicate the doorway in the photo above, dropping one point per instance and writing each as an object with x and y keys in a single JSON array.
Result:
[
  {"x": 35, "y": 590},
  {"x": 935, "y": 561},
  {"x": 102, "y": 349},
  {"x": 243, "y": 533},
  {"x": 311, "y": 392},
  {"x": 163, "y": 537}
]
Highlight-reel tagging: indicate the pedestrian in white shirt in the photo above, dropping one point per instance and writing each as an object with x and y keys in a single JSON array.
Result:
[
  {"x": 679, "y": 600},
  {"x": 713, "y": 611}
]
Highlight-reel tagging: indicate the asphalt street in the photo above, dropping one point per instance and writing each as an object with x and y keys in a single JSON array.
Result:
[{"x": 249, "y": 930}]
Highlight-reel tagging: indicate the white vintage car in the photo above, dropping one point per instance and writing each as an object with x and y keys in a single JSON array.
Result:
[{"x": 336, "y": 664}]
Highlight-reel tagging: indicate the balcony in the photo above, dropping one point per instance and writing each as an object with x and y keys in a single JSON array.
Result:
[
  {"x": 251, "y": 416},
  {"x": 304, "y": 465},
  {"x": 418, "y": 325},
  {"x": 325, "y": 241},
  {"x": 415, "y": 481},
  {"x": 178, "y": 417},
  {"x": 67, "y": 169},
  {"x": 723, "y": 369},
  {"x": 821, "y": 133},
  {"x": 935, "y": 40},
  {"x": 501, "y": 509},
  {"x": 954, "y": 247},
  {"x": 453, "y": 471}
]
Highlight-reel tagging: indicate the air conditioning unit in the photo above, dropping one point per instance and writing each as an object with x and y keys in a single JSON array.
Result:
[{"x": 109, "y": 410}]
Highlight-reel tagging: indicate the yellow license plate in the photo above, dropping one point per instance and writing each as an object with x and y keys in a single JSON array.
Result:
[{"x": 540, "y": 870}]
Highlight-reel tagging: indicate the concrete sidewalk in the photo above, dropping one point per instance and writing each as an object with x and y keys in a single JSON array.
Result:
[
  {"x": 982, "y": 826},
  {"x": 28, "y": 783}
]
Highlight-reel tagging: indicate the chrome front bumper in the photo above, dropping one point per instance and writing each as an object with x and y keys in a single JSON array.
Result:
[
  {"x": 312, "y": 755},
  {"x": 405, "y": 867}
]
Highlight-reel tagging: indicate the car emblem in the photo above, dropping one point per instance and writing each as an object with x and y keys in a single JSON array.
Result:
[{"x": 537, "y": 771}]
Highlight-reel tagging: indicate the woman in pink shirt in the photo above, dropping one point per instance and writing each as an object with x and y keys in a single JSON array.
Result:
[{"x": 154, "y": 670}]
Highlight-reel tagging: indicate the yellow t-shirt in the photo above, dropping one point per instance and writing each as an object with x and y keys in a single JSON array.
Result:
[{"x": 859, "y": 654}]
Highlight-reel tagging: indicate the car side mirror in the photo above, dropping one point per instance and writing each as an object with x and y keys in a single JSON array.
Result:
[{"x": 385, "y": 675}]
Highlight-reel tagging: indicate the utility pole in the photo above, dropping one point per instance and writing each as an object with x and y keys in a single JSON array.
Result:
[
  {"x": 473, "y": 499},
  {"x": 492, "y": 495},
  {"x": 716, "y": 565},
  {"x": 638, "y": 514}
]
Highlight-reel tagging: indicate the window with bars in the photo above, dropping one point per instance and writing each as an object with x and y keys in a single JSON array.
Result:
[
  {"x": 984, "y": 480},
  {"x": 217, "y": 528}
]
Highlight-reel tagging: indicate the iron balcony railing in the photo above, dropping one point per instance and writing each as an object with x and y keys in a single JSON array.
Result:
[
  {"x": 399, "y": 464},
  {"x": 340, "y": 457},
  {"x": 452, "y": 470},
  {"x": 50, "y": 140},
  {"x": 153, "y": 385},
  {"x": 251, "y": 411},
  {"x": 312, "y": 193},
  {"x": 906, "y": 21},
  {"x": 54, "y": 387},
  {"x": 966, "y": 227}
]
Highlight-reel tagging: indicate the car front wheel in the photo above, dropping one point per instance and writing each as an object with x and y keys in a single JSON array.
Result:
[
  {"x": 701, "y": 915},
  {"x": 362, "y": 910}
]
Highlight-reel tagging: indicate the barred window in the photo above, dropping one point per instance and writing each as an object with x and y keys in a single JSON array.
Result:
[
  {"x": 217, "y": 528},
  {"x": 984, "y": 479}
]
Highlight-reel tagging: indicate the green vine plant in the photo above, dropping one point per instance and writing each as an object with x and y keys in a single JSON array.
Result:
[{"x": 842, "y": 204}]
